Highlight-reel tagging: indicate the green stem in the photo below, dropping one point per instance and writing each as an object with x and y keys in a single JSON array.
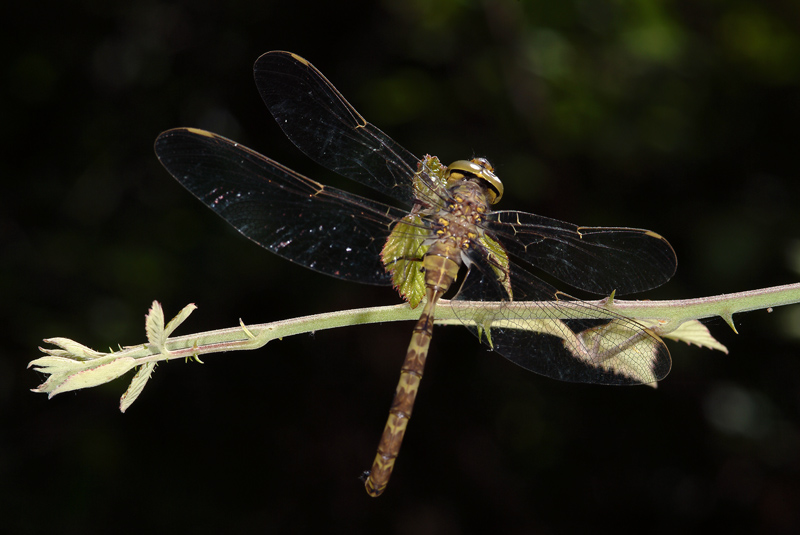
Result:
[{"x": 73, "y": 366}]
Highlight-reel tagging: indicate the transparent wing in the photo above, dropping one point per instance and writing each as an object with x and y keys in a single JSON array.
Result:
[
  {"x": 322, "y": 228},
  {"x": 322, "y": 124},
  {"x": 557, "y": 336},
  {"x": 595, "y": 259},
  {"x": 342, "y": 234}
]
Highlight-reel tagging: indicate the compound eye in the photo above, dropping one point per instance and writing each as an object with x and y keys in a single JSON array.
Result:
[
  {"x": 477, "y": 168},
  {"x": 483, "y": 162}
]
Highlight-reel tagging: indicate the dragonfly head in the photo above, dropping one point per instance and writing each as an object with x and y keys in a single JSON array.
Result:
[{"x": 476, "y": 168}]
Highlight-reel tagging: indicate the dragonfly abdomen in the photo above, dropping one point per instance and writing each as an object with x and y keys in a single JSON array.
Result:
[
  {"x": 440, "y": 272},
  {"x": 454, "y": 230},
  {"x": 402, "y": 406}
]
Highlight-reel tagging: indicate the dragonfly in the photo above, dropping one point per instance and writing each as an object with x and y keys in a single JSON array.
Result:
[{"x": 446, "y": 228}]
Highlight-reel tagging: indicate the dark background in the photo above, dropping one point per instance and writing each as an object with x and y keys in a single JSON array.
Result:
[{"x": 681, "y": 117}]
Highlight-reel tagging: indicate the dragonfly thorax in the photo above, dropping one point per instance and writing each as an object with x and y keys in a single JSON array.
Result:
[
  {"x": 477, "y": 169},
  {"x": 456, "y": 226}
]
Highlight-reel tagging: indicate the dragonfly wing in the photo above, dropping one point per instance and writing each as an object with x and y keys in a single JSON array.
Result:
[
  {"x": 322, "y": 228},
  {"x": 554, "y": 335},
  {"x": 594, "y": 259},
  {"x": 322, "y": 124}
]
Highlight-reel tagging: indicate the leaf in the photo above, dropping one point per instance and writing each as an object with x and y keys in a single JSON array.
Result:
[
  {"x": 179, "y": 318},
  {"x": 402, "y": 256},
  {"x": 70, "y": 349},
  {"x": 68, "y": 374},
  {"x": 154, "y": 326},
  {"x": 694, "y": 332},
  {"x": 620, "y": 346},
  {"x": 431, "y": 172},
  {"x": 137, "y": 385}
]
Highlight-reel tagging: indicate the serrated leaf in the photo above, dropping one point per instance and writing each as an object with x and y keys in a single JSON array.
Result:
[
  {"x": 57, "y": 364},
  {"x": 71, "y": 348},
  {"x": 154, "y": 326},
  {"x": 65, "y": 377},
  {"x": 694, "y": 332},
  {"x": 430, "y": 172},
  {"x": 402, "y": 256},
  {"x": 179, "y": 318},
  {"x": 137, "y": 385},
  {"x": 621, "y": 347}
]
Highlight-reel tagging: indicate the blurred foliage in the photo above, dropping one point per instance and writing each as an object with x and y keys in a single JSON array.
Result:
[{"x": 679, "y": 116}]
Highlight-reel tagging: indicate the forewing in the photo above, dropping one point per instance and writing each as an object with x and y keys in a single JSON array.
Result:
[
  {"x": 322, "y": 124},
  {"x": 595, "y": 259},
  {"x": 322, "y": 228}
]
